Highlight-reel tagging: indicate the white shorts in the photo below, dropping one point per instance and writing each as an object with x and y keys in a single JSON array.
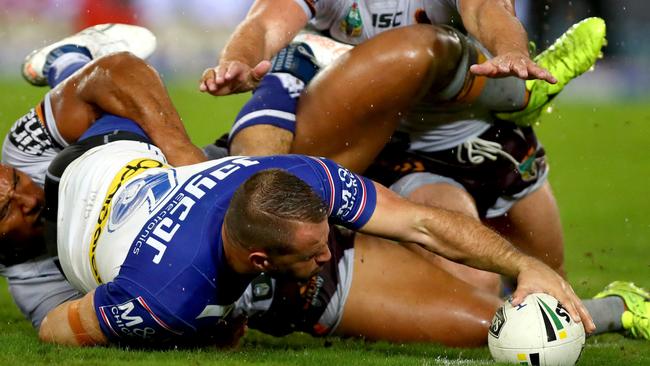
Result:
[{"x": 82, "y": 191}]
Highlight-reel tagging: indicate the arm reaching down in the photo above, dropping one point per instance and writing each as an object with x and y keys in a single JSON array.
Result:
[
  {"x": 124, "y": 85},
  {"x": 269, "y": 26},
  {"x": 465, "y": 240},
  {"x": 495, "y": 25}
]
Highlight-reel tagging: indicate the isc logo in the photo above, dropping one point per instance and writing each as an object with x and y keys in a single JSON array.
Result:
[{"x": 387, "y": 20}]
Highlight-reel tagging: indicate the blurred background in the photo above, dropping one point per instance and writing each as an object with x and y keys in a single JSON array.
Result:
[{"x": 192, "y": 32}]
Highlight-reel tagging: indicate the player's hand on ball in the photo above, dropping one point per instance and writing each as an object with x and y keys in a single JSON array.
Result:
[
  {"x": 231, "y": 77},
  {"x": 535, "y": 276},
  {"x": 512, "y": 64}
]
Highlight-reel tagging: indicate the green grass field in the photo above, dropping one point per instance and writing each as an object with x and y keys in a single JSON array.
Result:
[{"x": 600, "y": 170}]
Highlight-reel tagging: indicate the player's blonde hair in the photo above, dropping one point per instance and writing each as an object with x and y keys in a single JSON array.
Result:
[{"x": 263, "y": 208}]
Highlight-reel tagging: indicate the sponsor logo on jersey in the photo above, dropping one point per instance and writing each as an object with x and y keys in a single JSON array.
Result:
[
  {"x": 310, "y": 291},
  {"x": 160, "y": 230},
  {"x": 132, "y": 169},
  {"x": 29, "y": 135},
  {"x": 133, "y": 318},
  {"x": 352, "y": 195},
  {"x": 352, "y": 24},
  {"x": 387, "y": 20},
  {"x": 530, "y": 167},
  {"x": 349, "y": 195}
]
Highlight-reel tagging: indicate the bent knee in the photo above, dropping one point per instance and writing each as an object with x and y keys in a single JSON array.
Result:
[
  {"x": 127, "y": 63},
  {"x": 428, "y": 43}
]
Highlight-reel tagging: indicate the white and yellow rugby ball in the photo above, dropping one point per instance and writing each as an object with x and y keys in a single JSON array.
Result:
[{"x": 537, "y": 332}]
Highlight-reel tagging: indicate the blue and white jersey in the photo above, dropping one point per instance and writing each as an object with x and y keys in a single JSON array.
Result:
[
  {"x": 355, "y": 21},
  {"x": 153, "y": 248}
]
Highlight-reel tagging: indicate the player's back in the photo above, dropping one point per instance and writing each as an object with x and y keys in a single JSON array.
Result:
[
  {"x": 148, "y": 238},
  {"x": 121, "y": 200}
]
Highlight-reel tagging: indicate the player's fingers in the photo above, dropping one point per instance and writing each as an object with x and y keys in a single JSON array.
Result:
[
  {"x": 570, "y": 306},
  {"x": 537, "y": 72},
  {"x": 574, "y": 306},
  {"x": 261, "y": 69},
  {"x": 519, "y": 295},
  {"x": 504, "y": 67},
  {"x": 235, "y": 69},
  {"x": 207, "y": 82},
  {"x": 587, "y": 320},
  {"x": 520, "y": 69},
  {"x": 483, "y": 69},
  {"x": 220, "y": 73}
]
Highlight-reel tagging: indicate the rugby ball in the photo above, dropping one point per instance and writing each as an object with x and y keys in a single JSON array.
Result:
[{"x": 537, "y": 332}]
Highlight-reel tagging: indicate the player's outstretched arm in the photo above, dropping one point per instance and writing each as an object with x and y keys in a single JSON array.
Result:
[
  {"x": 465, "y": 240},
  {"x": 494, "y": 24},
  {"x": 269, "y": 26},
  {"x": 73, "y": 323},
  {"x": 124, "y": 85}
]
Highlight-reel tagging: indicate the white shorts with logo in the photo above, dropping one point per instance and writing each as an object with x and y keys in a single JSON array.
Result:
[{"x": 82, "y": 192}]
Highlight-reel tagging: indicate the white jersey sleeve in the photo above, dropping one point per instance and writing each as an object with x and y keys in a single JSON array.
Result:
[
  {"x": 355, "y": 21},
  {"x": 314, "y": 7},
  {"x": 33, "y": 142}
]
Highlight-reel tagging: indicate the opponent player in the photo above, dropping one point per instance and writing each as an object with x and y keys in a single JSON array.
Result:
[
  {"x": 165, "y": 252},
  {"x": 442, "y": 125},
  {"x": 464, "y": 160},
  {"x": 35, "y": 282},
  {"x": 271, "y": 25},
  {"x": 353, "y": 195},
  {"x": 476, "y": 308}
]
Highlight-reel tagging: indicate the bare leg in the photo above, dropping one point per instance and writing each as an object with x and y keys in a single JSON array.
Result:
[
  {"x": 533, "y": 225},
  {"x": 398, "y": 296},
  {"x": 372, "y": 86},
  {"x": 352, "y": 107},
  {"x": 455, "y": 199},
  {"x": 261, "y": 140}
]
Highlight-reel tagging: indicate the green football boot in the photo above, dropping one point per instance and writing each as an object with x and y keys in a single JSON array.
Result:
[
  {"x": 636, "y": 319},
  {"x": 574, "y": 53}
]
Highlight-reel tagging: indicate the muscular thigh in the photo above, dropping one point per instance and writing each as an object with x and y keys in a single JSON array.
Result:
[
  {"x": 533, "y": 225},
  {"x": 350, "y": 110},
  {"x": 411, "y": 300}
]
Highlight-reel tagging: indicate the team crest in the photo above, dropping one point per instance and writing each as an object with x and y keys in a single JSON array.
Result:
[
  {"x": 352, "y": 23},
  {"x": 150, "y": 190}
]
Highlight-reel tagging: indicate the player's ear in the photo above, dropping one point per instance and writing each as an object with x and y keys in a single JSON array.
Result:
[{"x": 259, "y": 260}]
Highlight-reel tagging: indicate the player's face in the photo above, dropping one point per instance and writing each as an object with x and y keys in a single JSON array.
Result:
[
  {"x": 21, "y": 207},
  {"x": 310, "y": 252}
]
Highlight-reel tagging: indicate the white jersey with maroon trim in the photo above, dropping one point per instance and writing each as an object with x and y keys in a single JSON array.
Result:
[
  {"x": 355, "y": 21},
  {"x": 33, "y": 142}
]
